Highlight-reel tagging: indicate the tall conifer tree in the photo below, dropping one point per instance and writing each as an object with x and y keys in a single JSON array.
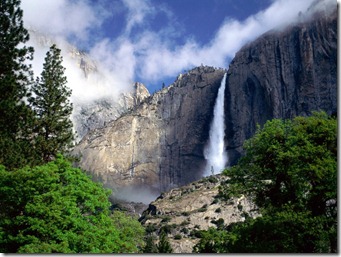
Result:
[
  {"x": 15, "y": 77},
  {"x": 53, "y": 108}
]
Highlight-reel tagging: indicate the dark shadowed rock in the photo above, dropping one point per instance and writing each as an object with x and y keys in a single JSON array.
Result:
[{"x": 282, "y": 74}]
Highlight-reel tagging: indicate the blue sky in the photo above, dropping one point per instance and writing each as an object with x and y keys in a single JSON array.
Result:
[
  {"x": 152, "y": 41},
  {"x": 192, "y": 18}
]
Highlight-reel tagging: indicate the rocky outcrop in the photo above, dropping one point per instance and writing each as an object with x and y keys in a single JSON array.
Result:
[
  {"x": 159, "y": 144},
  {"x": 183, "y": 212},
  {"x": 98, "y": 113},
  {"x": 282, "y": 74}
]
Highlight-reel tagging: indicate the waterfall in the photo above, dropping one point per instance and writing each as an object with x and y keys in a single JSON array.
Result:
[{"x": 214, "y": 151}]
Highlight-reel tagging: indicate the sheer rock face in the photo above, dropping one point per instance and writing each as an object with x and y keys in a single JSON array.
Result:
[
  {"x": 159, "y": 144},
  {"x": 282, "y": 74}
]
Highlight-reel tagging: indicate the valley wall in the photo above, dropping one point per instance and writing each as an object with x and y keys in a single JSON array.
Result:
[{"x": 158, "y": 143}]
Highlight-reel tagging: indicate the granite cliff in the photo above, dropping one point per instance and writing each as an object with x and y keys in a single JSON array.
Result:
[
  {"x": 282, "y": 74},
  {"x": 158, "y": 144}
]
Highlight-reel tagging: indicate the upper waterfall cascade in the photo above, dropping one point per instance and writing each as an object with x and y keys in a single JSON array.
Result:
[{"x": 214, "y": 151}]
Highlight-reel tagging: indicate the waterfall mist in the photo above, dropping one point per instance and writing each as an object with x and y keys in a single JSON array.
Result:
[{"x": 214, "y": 152}]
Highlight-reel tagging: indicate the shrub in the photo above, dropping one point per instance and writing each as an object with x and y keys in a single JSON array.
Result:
[
  {"x": 218, "y": 210},
  {"x": 166, "y": 219},
  {"x": 184, "y": 230},
  {"x": 202, "y": 209},
  {"x": 177, "y": 237}
]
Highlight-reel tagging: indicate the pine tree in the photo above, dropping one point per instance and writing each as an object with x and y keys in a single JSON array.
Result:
[
  {"x": 164, "y": 246},
  {"x": 53, "y": 108},
  {"x": 150, "y": 246},
  {"x": 15, "y": 78}
]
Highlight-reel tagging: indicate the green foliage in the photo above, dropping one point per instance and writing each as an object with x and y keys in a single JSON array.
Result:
[
  {"x": 218, "y": 210},
  {"x": 164, "y": 246},
  {"x": 168, "y": 228},
  {"x": 57, "y": 208},
  {"x": 219, "y": 223},
  {"x": 150, "y": 228},
  {"x": 53, "y": 128},
  {"x": 166, "y": 219},
  {"x": 150, "y": 246},
  {"x": 131, "y": 232},
  {"x": 185, "y": 223},
  {"x": 212, "y": 241},
  {"x": 184, "y": 230},
  {"x": 202, "y": 209},
  {"x": 196, "y": 233},
  {"x": 54, "y": 207},
  {"x": 212, "y": 179},
  {"x": 15, "y": 78},
  {"x": 177, "y": 237},
  {"x": 282, "y": 232},
  {"x": 290, "y": 172},
  {"x": 290, "y": 162}
]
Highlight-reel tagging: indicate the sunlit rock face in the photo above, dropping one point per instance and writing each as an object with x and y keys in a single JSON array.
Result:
[
  {"x": 98, "y": 113},
  {"x": 193, "y": 207},
  {"x": 158, "y": 144},
  {"x": 282, "y": 74}
]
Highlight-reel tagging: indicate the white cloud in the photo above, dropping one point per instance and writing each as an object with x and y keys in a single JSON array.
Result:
[
  {"x": 140, "y": 52},
  {"x": 160, "y": 60},
  {"x": 61, "y": 17},
  {"x": 137, "y": 12}
]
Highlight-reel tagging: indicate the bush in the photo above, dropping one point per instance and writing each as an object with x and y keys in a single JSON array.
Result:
[
  {"x": 150, "y": 228},
  {"x": 215, "y": 201},
  {"x": 184, "y": 230},
  {"x": 212, "y": 179},
  {"x": 203, "y": 209},
  {"x": 185, "y": 223},
  {"x": 219, "y": 223},
  {"x": 195, "y": 233},
  {"x": 240, "y": 207},
  {"x": 177, "y": 237},
  {"x": 218, "y": 210},
  {"x": 168, "y": 228},
  {"x": 166, "y": 219}
]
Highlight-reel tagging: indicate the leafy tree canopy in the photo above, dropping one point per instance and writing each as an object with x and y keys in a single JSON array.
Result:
[
  {"x": 57, "y": 208},
  {"x": 290, "y": 172},
  {"x": 289, "y": 162}
]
